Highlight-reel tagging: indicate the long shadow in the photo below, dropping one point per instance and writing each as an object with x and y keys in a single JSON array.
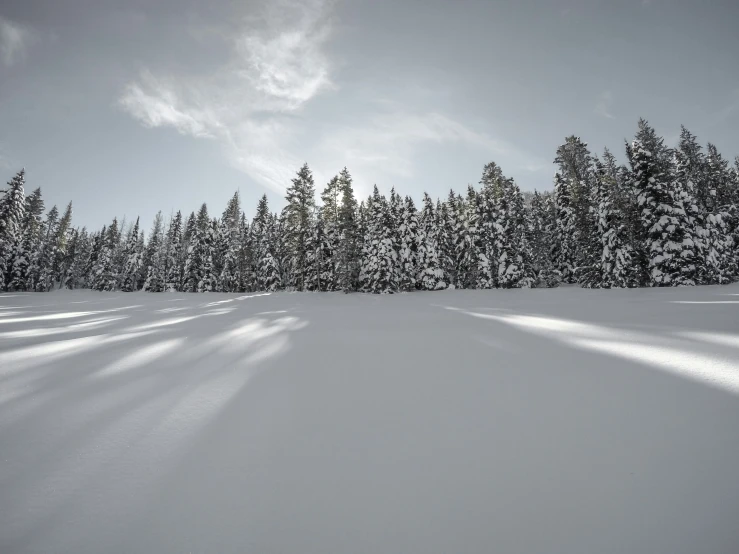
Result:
[
  {"x": 390, "y": 425},
  {"x": 428, "y": 440}
]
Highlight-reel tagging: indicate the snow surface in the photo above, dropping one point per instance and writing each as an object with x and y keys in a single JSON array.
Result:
[{"x": 523, "y": 421}]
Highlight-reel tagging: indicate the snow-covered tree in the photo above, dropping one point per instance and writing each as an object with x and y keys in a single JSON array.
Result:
[
  {"x": 349, "y": 247},
  {"x": 672, "y": 251},
  {"x": 541, "y": 229},
  {"x": 617, "y": 263},
  {"x": 12, "y": 210},
  {"x": 174, "y": 259},
  {"x": 408, "y": 234},
  {"x": 513, "y": 263},
  {"x": 379, "y": 258},
  {"x": 430, "y": 273},
  {"x": 132, "y": 267},
  {"x": 153, "y": 261},
  {"x": 105, "y": 277},
  {"x": 297, "y": 225},
  {"x": 229, "y": 246}
]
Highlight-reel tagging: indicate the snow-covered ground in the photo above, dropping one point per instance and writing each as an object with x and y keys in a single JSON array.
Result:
[{"x": 525, "y": 421}]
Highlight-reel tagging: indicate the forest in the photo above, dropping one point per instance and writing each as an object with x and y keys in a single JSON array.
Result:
[{"x": 669, "y": 217}]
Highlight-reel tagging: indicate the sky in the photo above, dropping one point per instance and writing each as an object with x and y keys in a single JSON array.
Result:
[{"x": 128, "y": 108}]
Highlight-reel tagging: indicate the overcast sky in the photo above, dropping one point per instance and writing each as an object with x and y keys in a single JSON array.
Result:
[{"x": 127, "y": 108}]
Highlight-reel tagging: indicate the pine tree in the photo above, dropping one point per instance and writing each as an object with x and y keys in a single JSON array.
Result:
[
  {"x": 430, "y": 274},
  {"x": 578, "y": 246},
  {"x": 12, "y": 211},
  {"x": 691, "y": 190},
  {"x": 665, "y": 222},
  {"x": 153, "y": 261},
  {"x": 208, "y": 281},
  {"x": 195, "y": 232},
  {"x": 260, "y": 243},
  {"x": 379, "y": 258},
  {"x": 89, "y": 272},
  {"x": 513, "y": 267},
  {"x": 40, "y": 272},
  {"x": 27, "y": 244},
  {"x": 542, "y": 229},
  {"x": 269, "y": 269},
  {"x": 408, "y": 252},
  {"x": 617, "y": 264},
  {"x": 297, "y": 226},
  {"x": 132, "y": 267},
  {"x": 330, "y": 231},
  {"x": 105, "y": 277},
  {"x": 78, "y": 253},
  {"x": 173, "y": 264},
  {"x": 229, "y": 246},
  {"x": 349, "y": 237}
]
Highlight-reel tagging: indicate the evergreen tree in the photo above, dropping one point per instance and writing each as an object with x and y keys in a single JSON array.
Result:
[
  {"x": 542, "y": 229},
  {"x": 617, "y": 264},
  {"x": 512, "y": 263},
  {"x": 270, "y": 277},
  {"x": 229, "y": 246},
  {"x": 260, "y": 228},
  {"x": 298, "y": 216},
  {"x": 408, "y": 253},
  {"x": 379, "y": 257},
  {"x": 130, "y": 277},
  {"x": 430, "y": 274},
  {"x": 349, "y": 237},
  {"x": 208, "y": 281},
  {"x": 578, "y": 245},
  {"x": 664, "y": 219},
  {"x": 28, "y": 244},
  {"x": 77, "y": 254},
  {"x": 12, "y": 211},
  {"x": 173, "y": 265},
  {"x": 153, "y": 259},
  {"x": 105, "y": 277},
  {"x": 40, "y": 272},
  {"x": 91, "y": 265},
  {"x": 195, "y": 232}
]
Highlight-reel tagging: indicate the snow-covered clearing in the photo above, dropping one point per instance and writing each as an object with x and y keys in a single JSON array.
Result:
[{"x": 525, "y": 421}]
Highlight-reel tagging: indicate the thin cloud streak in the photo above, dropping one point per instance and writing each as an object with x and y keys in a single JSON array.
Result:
[
  {"x": 603, "y": 106},
  {"x": 14, "y": 41},
  {"x": 276, "y": 68},
  {"x": 253, "y": 105}
]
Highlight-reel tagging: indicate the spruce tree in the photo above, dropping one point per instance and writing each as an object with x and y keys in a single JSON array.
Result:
[
  {"x": 617, "y": 263},
  {"x": 12, "y": 211},
  {"x": 105, "y": 277},
  {"x": 408, "y": 252},
  {"x": 28, "y": 243},
  {"x": 153, "y": 262},
  {"x": 196, "y": 231},
  {"x": 297, "y": 225},
  {"x": 349, "y": 238},
  {"x": 173, "y": 280},
  {"x": 379, "y": 258},
  {"x": 229, "y": 245},
  {"x": 132, "y": 267},
  {"x": 542, "y": 230},
  {"x": 430, "y": 273},
  {"x": 664, "y": 219}
]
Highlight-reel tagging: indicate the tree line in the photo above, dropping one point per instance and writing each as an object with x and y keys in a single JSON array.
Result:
[{"x": 668, "y": 217}]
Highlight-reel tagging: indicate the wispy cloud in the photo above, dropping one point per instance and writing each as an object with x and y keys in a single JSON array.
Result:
[
  {"x": 253, "y": 106},
  {"x": 603, "y": 105},
  {"x": 276, "y": 66},
  {"x": 14, "y": 40},
  {"x": 391, "y": 139}
]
